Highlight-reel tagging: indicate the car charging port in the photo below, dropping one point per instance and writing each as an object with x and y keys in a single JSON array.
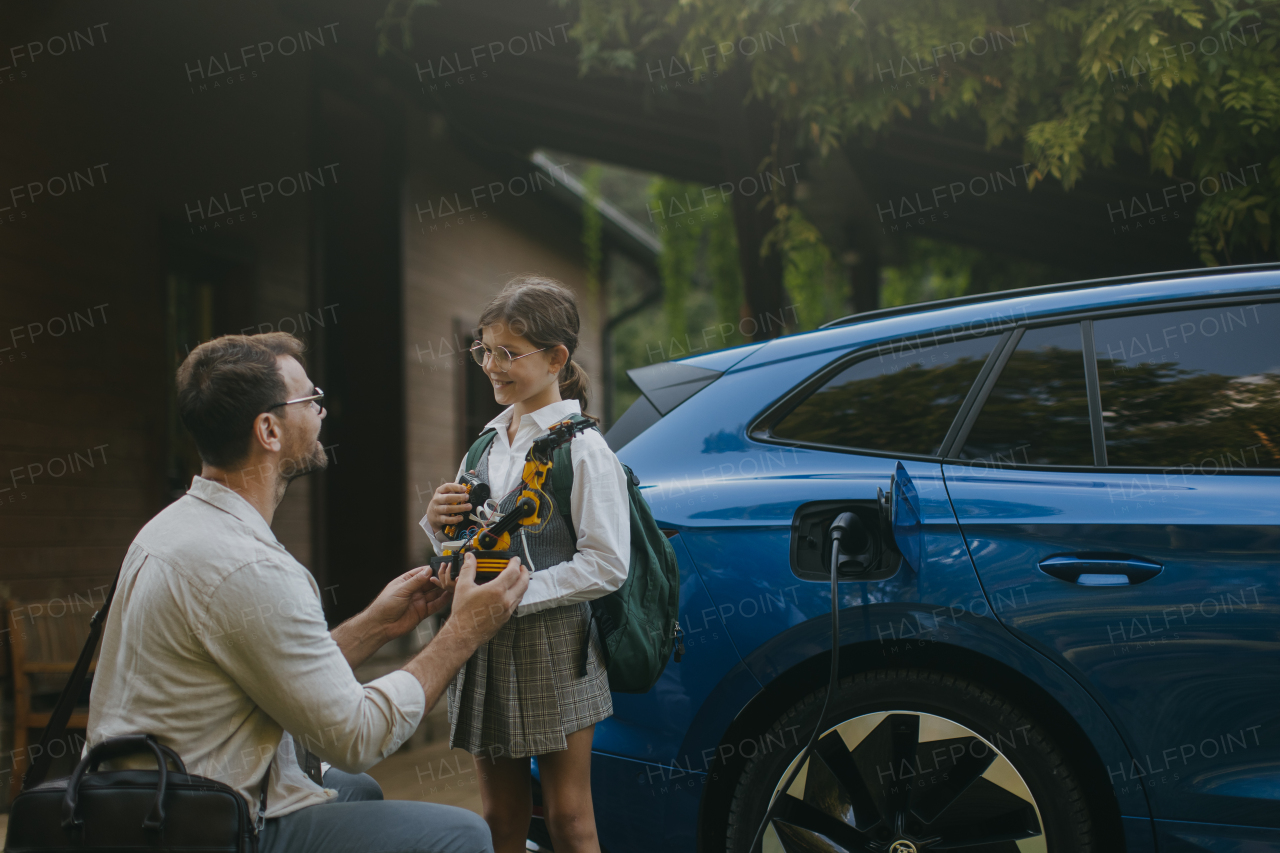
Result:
[{"x": 867, "y": 552}]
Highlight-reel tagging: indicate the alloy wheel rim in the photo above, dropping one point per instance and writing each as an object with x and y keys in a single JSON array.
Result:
[{"x": 906, "y": 782}]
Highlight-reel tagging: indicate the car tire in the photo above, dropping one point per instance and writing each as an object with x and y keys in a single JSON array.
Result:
[{"x": 909, "y": 760}]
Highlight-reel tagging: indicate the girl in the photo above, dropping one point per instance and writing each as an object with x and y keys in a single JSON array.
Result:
[{"x": 539, "y": 686}]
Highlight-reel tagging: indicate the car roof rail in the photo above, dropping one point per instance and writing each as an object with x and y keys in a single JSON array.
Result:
[{"x": 977, "y": 298}]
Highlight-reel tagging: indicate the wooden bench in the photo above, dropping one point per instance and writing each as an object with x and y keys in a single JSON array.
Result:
[{"x": 45, "y": 639}]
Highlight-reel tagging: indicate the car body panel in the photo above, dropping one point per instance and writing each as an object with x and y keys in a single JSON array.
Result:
[
  {"x": 645, "y": 806},
  {"x": 1174, "y": 836},
  {"x": 1182, "y": 658},
  {"x": 1139, "y": 834},
  {"x": 722, "y": 359},
  {"x": 650, "y": 726},
  {"x": 763, "y": 598}
]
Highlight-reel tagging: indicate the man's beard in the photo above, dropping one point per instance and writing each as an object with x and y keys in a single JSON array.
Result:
[{"x": 298, "y": 465}]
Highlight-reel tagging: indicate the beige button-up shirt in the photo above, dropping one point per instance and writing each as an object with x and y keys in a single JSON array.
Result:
[{"x": 216, "y": 643}]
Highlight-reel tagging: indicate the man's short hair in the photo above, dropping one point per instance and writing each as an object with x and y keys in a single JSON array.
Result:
[{"x": 224, "y": 384}]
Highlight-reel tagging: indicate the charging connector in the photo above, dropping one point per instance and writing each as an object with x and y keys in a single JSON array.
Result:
[{"x": 843, "y": 524}]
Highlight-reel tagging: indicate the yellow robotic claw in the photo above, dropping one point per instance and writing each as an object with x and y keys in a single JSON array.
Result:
[{"x": 492, "y": 544}]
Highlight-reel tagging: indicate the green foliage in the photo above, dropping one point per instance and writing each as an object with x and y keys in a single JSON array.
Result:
[
  {"x": 681, "y": 241},
  {"x": 726, "y": 274},
  {"x": 933, "y": 270},
  {"x": 1192, "y": 86},
  {"x": 639, "y": 340},
  {"x": 698, "y": 243},
  {"x": 396, "y": 25},
  {"x": 938, "y": 271},
  {"x": 592, "y": 229},
  {"x": 809, "y": 273}
]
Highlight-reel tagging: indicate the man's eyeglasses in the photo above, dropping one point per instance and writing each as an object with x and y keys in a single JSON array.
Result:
[
  {"x": 316, "y": 398},
  {"x": 500, "y": 356}
]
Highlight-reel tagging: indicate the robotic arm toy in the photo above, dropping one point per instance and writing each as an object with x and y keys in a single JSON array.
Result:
[{"x": 491, "y": 540}]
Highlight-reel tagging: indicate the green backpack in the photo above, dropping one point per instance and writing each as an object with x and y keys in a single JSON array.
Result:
[{"x": 638, "y": 623}]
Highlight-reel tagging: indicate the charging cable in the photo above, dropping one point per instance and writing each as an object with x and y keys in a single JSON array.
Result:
[{"x": 842, "y": 524}]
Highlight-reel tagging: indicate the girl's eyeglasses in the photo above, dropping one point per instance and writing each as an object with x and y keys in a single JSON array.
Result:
[
  {"x": 501, "y": 356},
  {"x": 316, "y": 398}
]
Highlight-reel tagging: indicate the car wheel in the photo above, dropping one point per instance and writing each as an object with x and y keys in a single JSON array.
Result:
[{"x": 909, "y": 761}]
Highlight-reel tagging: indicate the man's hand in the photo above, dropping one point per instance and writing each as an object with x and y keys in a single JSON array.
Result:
[
  {"x": 479, "y": 611},
  {"x": 406, "y": 601},
  {"x": 396, "y": 611}
]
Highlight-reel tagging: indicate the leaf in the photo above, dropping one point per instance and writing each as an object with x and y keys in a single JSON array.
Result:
[{"x": 1103, "y": 77}]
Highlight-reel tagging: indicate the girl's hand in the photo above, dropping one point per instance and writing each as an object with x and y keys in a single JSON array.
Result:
[
  {"x": 444, "y": 580},
  {"x": 448, "y": 506}
]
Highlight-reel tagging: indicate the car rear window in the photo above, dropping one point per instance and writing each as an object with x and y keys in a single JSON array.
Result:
[
  {"x": 900, "y": 399},
  {"x": 1197, "y": 389},
  {"x": 1038, "y": 411}
]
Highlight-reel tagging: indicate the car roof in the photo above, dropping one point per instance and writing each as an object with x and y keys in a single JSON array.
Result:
[
  {"x": 1060, "y": 287},
  {"x": 990, "y": 310}
]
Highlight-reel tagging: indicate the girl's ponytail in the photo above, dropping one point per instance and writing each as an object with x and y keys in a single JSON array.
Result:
[{"x": 574, "y": 384}]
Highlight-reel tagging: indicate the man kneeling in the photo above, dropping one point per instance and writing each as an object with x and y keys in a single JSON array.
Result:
[{"x": 216, "y": 642}]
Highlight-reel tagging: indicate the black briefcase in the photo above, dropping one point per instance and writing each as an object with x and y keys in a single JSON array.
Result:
[{"x": 126, "y": 811}]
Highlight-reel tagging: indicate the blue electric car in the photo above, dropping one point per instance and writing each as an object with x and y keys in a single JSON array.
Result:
[{"x": 1068, "y": 638}]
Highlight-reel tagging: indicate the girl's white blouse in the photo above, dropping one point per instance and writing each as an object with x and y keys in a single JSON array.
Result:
[{"x": 601, "y": 514}]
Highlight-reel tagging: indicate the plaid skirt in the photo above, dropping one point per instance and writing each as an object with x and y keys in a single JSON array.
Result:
[{"x": 525, "y": 689}]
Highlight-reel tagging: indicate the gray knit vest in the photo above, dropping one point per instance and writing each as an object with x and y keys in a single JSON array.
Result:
[{"x": 553, "y": 544}]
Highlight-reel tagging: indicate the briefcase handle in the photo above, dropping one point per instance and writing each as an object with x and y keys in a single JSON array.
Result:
[
  {"x": 115, "y": 748},
  {"x": 167, "y": 751}
]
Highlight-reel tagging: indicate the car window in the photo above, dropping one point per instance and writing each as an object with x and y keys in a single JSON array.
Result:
[
  {"x": 1038, "y": 410},
  {"x": 901, "y": 399},
  {"x": 1197, "y": 390}
]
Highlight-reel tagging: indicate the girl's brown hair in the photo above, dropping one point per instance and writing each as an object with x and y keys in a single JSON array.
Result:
[{"x": 542, "y": 311}]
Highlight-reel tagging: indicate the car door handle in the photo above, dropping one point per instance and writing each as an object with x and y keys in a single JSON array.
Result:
[{"x": 1099, "y": 569}]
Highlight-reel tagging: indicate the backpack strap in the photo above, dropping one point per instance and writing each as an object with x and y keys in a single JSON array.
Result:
[
  {"x": 562, "y": 494},
  {"x": 562, "y": 474},
  {"x": 478, "y": 447}
]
